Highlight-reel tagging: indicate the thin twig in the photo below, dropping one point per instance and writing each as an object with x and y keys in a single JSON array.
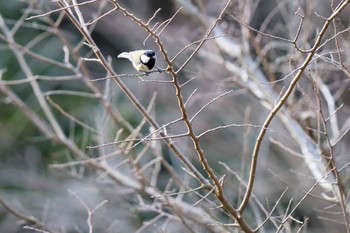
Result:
[
  {"x": 15, "y": 46},
  {"x": 72, "y": 118},
  {"x": 227, "y": 126},
  {"x": 60, "y": 9},
  {"x": 100, "y": 17},
  {"x": 138, "y": 140},
  {"x": 294, "y": 41},
  {"x": 201, "y": 43},
  {"x": 289, "y": 216},
  {"x": 207, "y": 104},
  {"x": 88, "y": 209},
  {"x": 168, "y": 21},
  {"x": 193, "y": 43}
]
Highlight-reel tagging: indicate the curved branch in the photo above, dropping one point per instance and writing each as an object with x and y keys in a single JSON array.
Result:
[{"x": 283, "y": 99}]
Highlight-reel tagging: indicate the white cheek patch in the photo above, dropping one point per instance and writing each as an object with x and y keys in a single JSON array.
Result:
[{"x": 144, "y": 58}]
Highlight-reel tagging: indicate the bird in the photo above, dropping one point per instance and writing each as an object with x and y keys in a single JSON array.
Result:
[{"x": 142, "y": 60}]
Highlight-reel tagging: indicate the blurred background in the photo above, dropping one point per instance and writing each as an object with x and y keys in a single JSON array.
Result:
[{"x": 241, "y": 73}]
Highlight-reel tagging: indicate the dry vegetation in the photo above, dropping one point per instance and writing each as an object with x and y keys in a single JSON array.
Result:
[{"x": 246, "y": 130}]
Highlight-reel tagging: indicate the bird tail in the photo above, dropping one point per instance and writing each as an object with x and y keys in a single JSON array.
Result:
[{"x": 125, "y": 55}]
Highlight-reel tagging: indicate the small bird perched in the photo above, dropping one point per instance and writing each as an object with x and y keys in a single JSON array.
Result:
[{"x": 142, "y": 60}]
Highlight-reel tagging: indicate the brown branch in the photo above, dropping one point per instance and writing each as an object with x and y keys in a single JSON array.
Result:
[
  {"x": 123, "y": 87},
  {"x": 195, "y": 140},
  {"x": 219, "y": 191},
  {"x": 283, "y": 99}
]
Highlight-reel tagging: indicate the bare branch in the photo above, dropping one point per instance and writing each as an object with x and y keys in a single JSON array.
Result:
[
  {"x": 88, "y": 210},
  {"x": 274, "y": 111}
]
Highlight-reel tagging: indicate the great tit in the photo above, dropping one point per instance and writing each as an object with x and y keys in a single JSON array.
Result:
[{"x": 142, "y": 60}]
